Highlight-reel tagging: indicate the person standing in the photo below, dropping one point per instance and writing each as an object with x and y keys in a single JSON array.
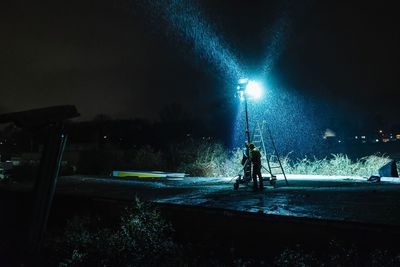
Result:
[{"x": 255, "y": 158}]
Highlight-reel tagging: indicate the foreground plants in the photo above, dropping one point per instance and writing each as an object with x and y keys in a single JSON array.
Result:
[{"x": 142, "y": 238}]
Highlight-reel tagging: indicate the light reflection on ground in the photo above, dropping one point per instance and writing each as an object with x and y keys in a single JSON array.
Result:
[{"x": 332, "y": 198}]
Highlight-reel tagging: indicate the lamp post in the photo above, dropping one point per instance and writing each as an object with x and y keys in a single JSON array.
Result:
[{"x": 248, "y": 89}]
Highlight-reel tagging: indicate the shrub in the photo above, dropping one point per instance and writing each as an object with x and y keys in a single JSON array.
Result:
[
  {"x": 212, "y": 160},
  {"x": 145, "y": 158},
  {"x": 338, "y": 164},
  {"x": 295, "y": 257},
  {"x": 204, "y": 159},
  {"x": 337, "y": 254},
  {"x": 209, "y": 159},
  {"x": 143, "y": 238}
]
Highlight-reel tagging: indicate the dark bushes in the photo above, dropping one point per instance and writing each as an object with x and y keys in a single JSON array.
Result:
[{"x": 142, "y": 238}]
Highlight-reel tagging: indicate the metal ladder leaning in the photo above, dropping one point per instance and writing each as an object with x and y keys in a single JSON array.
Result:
[{"x": 258, "y": 141}]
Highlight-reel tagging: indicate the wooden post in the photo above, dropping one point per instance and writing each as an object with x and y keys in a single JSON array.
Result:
[{"x": 45, "y": 185}]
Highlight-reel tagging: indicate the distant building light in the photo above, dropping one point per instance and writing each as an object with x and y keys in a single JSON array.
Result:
[
  {"x": 105, "y": 137},
  {"x": 356, "y": 137},
  {"x": 329, "y": 133},
  {"x": 380, "y": 131},
  {"x": 339, "y": 141},
  {"x": 377, "y": 140},
  {"x": 397, "y": 136},
  {"x": 385, "y": 140},
  {"x": 363, "y": 137},
  {"x": 1, "y": 143}
]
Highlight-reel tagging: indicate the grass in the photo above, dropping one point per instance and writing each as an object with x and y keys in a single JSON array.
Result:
[
  {"x": 211, "y": 160},
  {"x": 337, "y": 164},
  {"x": 337, "y": 254},
  {"x": 207, "y": 159}
]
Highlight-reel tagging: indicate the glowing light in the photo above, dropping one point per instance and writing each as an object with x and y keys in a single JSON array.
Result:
[
  {"x": 250, "y": 89},
  {"x": 254, "y": 90},
  {"x": 329, "y": 133}
]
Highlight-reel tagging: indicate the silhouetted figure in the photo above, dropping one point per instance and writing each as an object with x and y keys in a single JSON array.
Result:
[{"x": 255, "y": 158}]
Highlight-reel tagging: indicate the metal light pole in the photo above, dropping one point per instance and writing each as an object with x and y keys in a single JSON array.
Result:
[
  {"x": 242, "y": 85},
  {"x": 247, "y": 90},
  {"x": 247, "y": 119}
]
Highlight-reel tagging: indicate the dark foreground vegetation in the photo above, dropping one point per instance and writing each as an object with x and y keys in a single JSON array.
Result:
[
  {"x": 141, "y": 238},
  {"x": 93, "y": 232},
  {"x": 145, "y": 236}
]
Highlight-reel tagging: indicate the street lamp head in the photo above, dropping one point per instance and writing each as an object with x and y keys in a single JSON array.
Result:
[
  {"x": 253, "y": 90},
  {"x": 249, "y": 89}
]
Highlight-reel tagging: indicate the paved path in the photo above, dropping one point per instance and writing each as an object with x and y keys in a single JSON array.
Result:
[{"x": 350, "y": 199}]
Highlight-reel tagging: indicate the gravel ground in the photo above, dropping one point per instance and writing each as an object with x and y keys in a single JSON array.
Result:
[{"x": 332, "y": 198}]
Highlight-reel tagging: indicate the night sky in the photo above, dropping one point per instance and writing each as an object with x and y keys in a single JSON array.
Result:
[{"x": 120, "y": 59}]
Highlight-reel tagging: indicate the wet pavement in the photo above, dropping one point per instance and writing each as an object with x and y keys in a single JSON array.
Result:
[{"x": 340, "y": 199}]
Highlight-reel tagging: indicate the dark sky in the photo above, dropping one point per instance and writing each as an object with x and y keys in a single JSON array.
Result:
[{"x": 111, "y": 58}]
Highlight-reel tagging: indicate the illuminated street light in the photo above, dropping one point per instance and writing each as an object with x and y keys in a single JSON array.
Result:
[
  {"x": 253, "y": 90},
  {"x": 248, "y": 89}
]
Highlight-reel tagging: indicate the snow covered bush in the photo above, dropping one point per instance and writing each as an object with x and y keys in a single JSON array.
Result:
[
  {"x": 142, "y": 238},
  {"x": 338, "y": 164},
  {"x": 212, "y": 160}
]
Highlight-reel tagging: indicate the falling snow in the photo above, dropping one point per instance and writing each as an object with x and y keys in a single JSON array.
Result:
[
  {"x": 289, "y": 115},
  {"x": 186, "y": 21}
]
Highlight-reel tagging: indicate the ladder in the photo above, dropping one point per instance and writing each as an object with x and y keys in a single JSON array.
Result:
[{"x": 271, "y": 158}]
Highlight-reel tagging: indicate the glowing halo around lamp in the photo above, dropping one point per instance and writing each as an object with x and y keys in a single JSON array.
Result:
[
  {"x": 254, "y": 90},
  {"x": 249, "y": 89}
]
